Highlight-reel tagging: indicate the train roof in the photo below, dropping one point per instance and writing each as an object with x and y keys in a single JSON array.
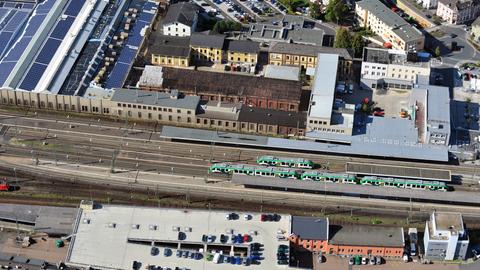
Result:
[{"x": 286, "y": 158}]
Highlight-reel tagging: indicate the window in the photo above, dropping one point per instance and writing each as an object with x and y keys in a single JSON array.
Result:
[
  {"x": 149, "y": 115},
  {"x": 189, "y": 120},
  {"x": 179, "y": 111},
  {"x": 189, "y": 112},
  {"x": 159, "y": 117},
  {"x": 169, "y": 118},
  {"x": 139, "y": 114}
]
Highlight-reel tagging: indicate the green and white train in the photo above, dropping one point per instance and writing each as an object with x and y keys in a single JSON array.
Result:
[
  {"x": 312, "y": 175},
  {"x": 285, "y": 162}
]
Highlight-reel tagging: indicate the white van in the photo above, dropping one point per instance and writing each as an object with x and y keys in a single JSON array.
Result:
[{"x": 216, "y": 258}]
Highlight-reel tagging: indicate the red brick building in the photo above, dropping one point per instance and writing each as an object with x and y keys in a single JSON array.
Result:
[
  {"x": 316, "y": 235},
  {"x": 233, "y": 88},
  {"x": 366, "y": 240}
]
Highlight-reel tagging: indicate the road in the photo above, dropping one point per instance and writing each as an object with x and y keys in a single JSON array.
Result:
[{"x": 453, "y": 59}]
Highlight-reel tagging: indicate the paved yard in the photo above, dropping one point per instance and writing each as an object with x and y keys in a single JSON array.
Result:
[{"x": 337, "y": 263}]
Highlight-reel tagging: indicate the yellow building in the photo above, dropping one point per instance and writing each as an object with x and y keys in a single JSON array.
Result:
[
  {"x": 305, "y": 56},
  {"x": 170, "y": 51},
  {"x": 207, "y": 48},
  {"x": 242, "y": 52}
]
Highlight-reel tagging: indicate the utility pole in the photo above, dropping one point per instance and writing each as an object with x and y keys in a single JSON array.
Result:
[{"x": 114, "y": 159}]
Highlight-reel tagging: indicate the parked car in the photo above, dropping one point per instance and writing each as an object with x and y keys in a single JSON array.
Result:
[
  {"x": 476, "y": 253},
  {"x": 351, "y": 261},
  {"x": 167, "y": 252},
  {"x": 378, "y": 260},
  {"x": 364, "y": 260}
]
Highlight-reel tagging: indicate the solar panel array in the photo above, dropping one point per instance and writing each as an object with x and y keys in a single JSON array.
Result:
[
  {"x": 12, "y": 20},
  {"x": 12, "y": 56},
  {"x": 51, "y": 45},
  {"x": 120, "y": 71}
]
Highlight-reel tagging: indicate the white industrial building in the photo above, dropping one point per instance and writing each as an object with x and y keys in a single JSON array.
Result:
[
  {"x": 325, "y": 113},
  {"x": 181, "y": 19},
  {"x": 445, "y": 237}
]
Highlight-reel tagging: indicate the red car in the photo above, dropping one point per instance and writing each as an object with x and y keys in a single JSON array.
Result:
[
  {"x": 246, "y": 238},
  {"x": 4, "y": 186}
]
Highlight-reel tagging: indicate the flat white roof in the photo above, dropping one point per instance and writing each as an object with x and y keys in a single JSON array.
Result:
[
  {"x": 323, "y": 90},
  {"x": 101, "y": 238}
]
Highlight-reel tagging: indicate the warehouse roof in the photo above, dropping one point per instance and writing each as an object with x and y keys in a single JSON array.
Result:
[
  {"x": 272, "y": 117},
  {"x": 173, "y": 99},
  {"x": 323, "y": 90},
  {"x": 232, "y": 84},
  {"x": 170, "y": 46},
  {"x": 244, "y": 46},
  {"x": 182, "y": 12},
  {"x": 207, "y": 40},
  {"x": 310, "y": 228},
  {"x": 367, "y": 235},
  {"x": 386, "y": 146},
  {"x": 282, "y": 72},
  {"x": 438, "y": 102},
  {"x": 47, "y": 219},
  {"x": 308, "y": 50}
]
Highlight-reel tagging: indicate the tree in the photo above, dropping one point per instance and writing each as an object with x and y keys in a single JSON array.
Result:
[
  {"x": 437, "y": 52},
  {"x": 342, "y": 38},
  {"x": 225, "y": 26},
  {"x": 357, "y": 44},
  {"x": 315, "y": 11},
  {"x": 335, "y": 11}
]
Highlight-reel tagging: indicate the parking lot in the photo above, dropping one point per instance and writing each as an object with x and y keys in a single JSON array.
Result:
[
  {"x": 391, "y": 101},
  {"x": 169, "y": 237}
]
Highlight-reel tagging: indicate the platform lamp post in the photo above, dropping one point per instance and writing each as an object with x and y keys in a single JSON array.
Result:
[{"x": 15, "y": 173}]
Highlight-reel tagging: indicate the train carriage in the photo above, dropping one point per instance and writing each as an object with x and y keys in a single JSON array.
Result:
[
  {"x": 285, "y": 162},
  {"x": 219, "y": 168},
  {"x": 312, "y": 175}
]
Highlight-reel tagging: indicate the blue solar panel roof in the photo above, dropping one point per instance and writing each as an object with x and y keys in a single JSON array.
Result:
[
  {"x": 3, "y": 12},
  {"x": 28, "y": 6},
  {"x": 16, "y": 21},
  {"x": 48, "y": 50},
  {"x": 74, "y": 7},
  {"x": 33, "y": 76},
  {"x": 117, "y": 76},
  {"x": 4, "y": 40},
  {"x": 61, "y": 30},
  {"x": 16, "y": 51},
  {"x": 5, "y": 70},
  {"x": 33, "y": 24},
  {"x": 120, "y": 71},
  {"x": 45, "y": 6},
  {"x": 9, "y": 5}
]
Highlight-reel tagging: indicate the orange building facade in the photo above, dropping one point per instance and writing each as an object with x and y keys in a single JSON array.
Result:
[{"x": 317, "y": 235}]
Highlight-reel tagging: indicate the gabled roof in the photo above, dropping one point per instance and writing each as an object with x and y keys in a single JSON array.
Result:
[
  {"x": 183, "y": 12},
  {"x": 243, "y": 46},
  {"x": 272, "y": 117},
  {"x": 207, "y": 40},
  {"x": 206, "y": 82},
  {"x": 170, "y": 46}
]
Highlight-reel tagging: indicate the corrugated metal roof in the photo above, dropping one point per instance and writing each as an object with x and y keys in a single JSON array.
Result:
[{"x": 323, "y": 90}]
